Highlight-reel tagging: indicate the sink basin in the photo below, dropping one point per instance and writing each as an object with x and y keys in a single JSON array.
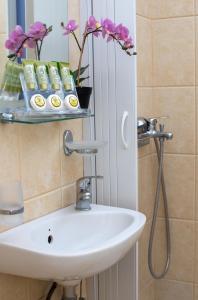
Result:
[{"x": 70, "y": 245}]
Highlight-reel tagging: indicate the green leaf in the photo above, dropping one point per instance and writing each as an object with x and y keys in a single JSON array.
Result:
[
  {"x": 83, "y": 78},
  {"x": 82, "y": 70},
  {"x": 50, "y": 28},
  {"x": 11, "y": 55}
]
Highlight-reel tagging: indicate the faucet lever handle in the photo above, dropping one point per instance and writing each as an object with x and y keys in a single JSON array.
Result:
[
  {"x": 83, "y": 192},
  {"x": 153, "y": 121},
  {"x": 84, "y": 183}
]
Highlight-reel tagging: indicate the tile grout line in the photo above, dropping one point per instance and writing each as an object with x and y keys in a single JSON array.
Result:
[
  {"x": 183, "y": 86},
  {"x": 174, "y": 17}
]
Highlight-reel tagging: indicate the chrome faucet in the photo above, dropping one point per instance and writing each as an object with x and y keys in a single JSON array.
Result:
[
  {"x": 152, "y": 131},
  {"x": 83, "y": 192}
]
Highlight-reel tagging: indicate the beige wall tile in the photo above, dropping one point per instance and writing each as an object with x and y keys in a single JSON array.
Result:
[
  {"x": 42, "y": 205},
  {"x": 40, "y": 158},
  {"x": 196, "y": 7},
  {"x": 144, "y": 49},
  {"x": 196, "y": 254},
  {"x": 143, "y": 8},
  {"x": 3, "y": 16},
  {"x": 69, "y": 195},
  {"x": 179, "y": 105},
  {"x": 145, "y": 102},
  {"x": 13, "y": 287},
  {"x": 180, "y": 186},
  {"x": 182, "y": 249},
  {"x": 148, "y": 293},
  {"x": 9, "y": 153},
  {"x": 196, "y": 198},
  {"x": 71, "y": 166},
  {"x": 196, "y": 70},
  {"x": 196, "y": 292},
  {"x": 74, "y": 14},
  {"x": 172, "y": 8},
  {"x": 145, "y": 277},
  {"x": 146, "y": 109},
  {"x": 37, "y": 288},
  {"x": 173, "y": 290},
  {"x": 173, "y": 52},
  {"x": 3, "y": 55},
  {"x": 147, "y": 184}
]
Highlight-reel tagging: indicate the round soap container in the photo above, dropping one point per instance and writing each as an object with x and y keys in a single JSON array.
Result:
[
  {"x": 54, "y": 102},
  {"x": 71, "y": 102},
  {"x": 38, "y": 102}
]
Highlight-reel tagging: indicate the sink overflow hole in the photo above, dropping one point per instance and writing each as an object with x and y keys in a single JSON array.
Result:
[{"x": 50, "y": 239}]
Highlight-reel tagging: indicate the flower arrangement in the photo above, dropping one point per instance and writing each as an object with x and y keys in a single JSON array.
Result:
[
  {"x": 18, "y": 40},
  {"x": 106, "y": 29}
]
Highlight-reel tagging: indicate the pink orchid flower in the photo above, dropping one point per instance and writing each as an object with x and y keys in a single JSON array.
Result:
[
  {"x": 128, "y": 44},
  {"x": 37, "y": 31},
  {"x": 108, "y": 28},
  {"x": 93, "y": 26},
  {"x": 16, "y": 37},
  {"x": 122, "y": 32},
  {"x": 70, "y": 27}
]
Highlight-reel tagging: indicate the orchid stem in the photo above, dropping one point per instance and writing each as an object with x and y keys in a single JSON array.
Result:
[
  {"x": 77, "y": 42},
  {"x": 80, "y": 59}
]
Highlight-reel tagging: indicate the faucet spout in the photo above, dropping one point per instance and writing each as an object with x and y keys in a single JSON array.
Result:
[{"x": 83, "y": 190}]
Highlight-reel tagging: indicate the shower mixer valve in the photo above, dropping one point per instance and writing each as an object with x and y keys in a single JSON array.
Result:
[{"x": 147, "y": 128}]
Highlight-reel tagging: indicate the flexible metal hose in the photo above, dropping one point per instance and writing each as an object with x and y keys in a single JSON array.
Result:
[{"x": 160, "y": 184}]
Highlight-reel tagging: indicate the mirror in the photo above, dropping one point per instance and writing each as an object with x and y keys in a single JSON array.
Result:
[{"x": 50, "y": 12}]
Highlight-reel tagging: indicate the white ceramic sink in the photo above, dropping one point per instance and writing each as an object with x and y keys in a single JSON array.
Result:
[{"x": 68, "y": 244}]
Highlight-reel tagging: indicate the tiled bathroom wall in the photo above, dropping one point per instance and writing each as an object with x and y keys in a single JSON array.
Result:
[
  {"x": 174, "y": 55},
  {"x": 174, "y": 93},
  {"x": 34, "y": 155}
]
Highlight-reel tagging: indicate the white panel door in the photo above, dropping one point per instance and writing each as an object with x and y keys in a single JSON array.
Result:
[{"x": 114, "y": 101}]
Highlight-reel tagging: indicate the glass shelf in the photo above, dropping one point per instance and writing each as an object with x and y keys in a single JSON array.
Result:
[{"x": 25, "y": 118}]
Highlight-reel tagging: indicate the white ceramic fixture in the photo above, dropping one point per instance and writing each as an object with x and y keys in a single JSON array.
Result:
[{"x": 70, "y": 245}]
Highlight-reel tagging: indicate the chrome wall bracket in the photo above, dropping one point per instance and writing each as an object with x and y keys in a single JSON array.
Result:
[
  {"x": 67, "y": 138},
  {"x": 11, "y": 212}
]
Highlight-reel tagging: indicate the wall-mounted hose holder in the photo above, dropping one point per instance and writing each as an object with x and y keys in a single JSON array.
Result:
[
  {"x": 142, "y": 127},
  {"x": 83, "y": 148}
]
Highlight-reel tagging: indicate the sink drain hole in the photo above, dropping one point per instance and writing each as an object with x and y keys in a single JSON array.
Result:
[{"x": 50, "y": 239}]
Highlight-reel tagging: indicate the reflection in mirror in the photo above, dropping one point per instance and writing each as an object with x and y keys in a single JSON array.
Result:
[{"x": 50, "y": 12}]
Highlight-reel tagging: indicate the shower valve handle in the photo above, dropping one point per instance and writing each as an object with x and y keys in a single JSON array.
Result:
[{"x": 152, "y": 123}]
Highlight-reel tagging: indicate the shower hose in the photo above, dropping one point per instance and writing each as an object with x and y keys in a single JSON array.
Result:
[{"x": 160, "y": 186}]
